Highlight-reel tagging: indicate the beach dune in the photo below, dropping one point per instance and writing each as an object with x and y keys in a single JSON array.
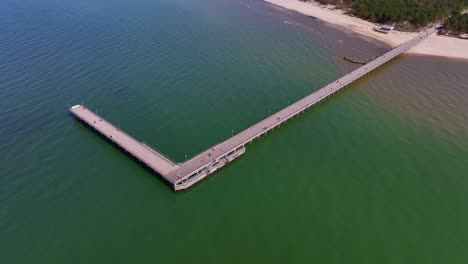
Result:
[{"x": 435, "y": 45}]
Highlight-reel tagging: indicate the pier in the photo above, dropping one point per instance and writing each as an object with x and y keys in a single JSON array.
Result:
[
  {"x": 151, "y": 158},
  {"x": 181, "y": 176}
]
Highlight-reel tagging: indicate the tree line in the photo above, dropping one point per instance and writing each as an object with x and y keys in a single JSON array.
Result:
[
  {"x": 458, "y": 22},
  {"x": 418, "y": 12}
]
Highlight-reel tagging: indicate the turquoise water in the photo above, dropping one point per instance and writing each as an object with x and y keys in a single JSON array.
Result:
[{"x": 376, "y": 174}]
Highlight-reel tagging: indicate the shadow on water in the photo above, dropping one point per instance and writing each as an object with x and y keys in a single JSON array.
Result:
[{"x": 338, "y": 94}]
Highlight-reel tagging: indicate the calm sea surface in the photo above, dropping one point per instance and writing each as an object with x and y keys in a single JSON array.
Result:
[{"x": 376, "y": 174}]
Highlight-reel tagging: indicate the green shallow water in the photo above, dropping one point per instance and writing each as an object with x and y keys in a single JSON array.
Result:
[{"x": 376, "y": 174}]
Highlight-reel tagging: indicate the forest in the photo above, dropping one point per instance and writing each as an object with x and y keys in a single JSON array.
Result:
[{"x": 452, "y": 13}]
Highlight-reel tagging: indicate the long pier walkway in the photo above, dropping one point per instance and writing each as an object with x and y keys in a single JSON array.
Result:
[
  {"x": 184, "y": 175},
  {"x": 139, "y": 150}
]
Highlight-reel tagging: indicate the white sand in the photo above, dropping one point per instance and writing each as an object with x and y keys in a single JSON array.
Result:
[{"x": 435, "y": 45}]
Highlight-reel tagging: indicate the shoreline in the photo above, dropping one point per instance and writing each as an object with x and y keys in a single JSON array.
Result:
[{"x": 441, "y": 46}]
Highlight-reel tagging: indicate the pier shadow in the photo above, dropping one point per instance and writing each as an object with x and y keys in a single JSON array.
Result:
[{"x": 337, "y": 95}]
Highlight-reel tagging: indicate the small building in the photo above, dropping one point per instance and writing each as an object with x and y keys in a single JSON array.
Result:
[
  {"x": 384, "y": 29},
  {"x": 463, "y": 36}
]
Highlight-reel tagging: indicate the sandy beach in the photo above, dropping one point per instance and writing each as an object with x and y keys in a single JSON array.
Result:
[{"x": 435, "y": 45}]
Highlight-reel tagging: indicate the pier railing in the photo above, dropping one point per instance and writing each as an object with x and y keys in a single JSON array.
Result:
[{"x": 184, "y": 175}]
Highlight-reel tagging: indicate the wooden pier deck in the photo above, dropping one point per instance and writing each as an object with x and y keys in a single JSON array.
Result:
[
  {"x": 139, "y": 150},
  {"x": 184, "y": 175}
]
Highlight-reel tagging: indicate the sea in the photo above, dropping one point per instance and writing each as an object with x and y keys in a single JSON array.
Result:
[{"x": 377, "y": 173}]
